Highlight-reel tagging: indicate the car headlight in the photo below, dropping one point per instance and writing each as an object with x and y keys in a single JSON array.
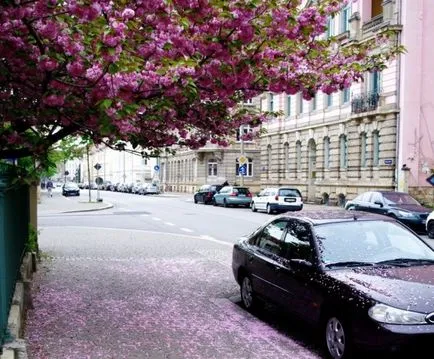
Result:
[
  {"x": 404, "y": 214},
  {"x": 384, "y": 314}
]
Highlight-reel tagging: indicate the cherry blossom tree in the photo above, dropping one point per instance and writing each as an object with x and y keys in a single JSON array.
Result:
[{"x": 162, "y": 72}]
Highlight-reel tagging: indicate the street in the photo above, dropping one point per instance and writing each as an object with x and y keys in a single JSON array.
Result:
[{"x": 151, "y": 278}]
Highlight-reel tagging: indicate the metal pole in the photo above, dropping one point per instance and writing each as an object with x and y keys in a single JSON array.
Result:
[
  {"x": 97, "y": 187},
  {"x": 242, "y": 153}
]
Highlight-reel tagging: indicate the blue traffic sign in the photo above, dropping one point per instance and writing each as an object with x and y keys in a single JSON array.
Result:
[
  {"x": 156, "y": 168},
  {"x": 242, "y": 170}
]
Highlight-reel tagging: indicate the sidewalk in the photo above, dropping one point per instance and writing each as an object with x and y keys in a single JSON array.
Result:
[{"x": 60, "y": 204}]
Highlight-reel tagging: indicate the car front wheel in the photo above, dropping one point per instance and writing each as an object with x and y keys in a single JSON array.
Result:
[
  {"x": 337, "y": 338},
  {"x": 253, "y": 207},
  {"x": 430, "y": 229},
  {"x": 269, "y": 210}
]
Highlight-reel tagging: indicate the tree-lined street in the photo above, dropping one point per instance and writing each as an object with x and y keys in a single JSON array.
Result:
[{"x": 151, "y": 278}]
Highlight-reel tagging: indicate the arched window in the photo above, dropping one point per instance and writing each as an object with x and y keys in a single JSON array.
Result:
[
  {"x": 326, "y": 153},
  {"x": 298, "y": 155},
  {"x": 363, "y": 150},
  {"x": 286, "y": 158},
  {"x": 212, "y": 167},
  {"x": 249, "y": 172},
  {"x": 343, "y": 152},
  {"x": 375, "y": 148}
]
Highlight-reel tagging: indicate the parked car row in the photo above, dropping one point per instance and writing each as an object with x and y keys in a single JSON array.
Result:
[
  {"x": 270, "y": 200},
  {"x": 135, "y": 188}
]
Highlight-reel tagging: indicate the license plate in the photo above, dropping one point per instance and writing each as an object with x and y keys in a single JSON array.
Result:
[{"x": 289, "y": 199}]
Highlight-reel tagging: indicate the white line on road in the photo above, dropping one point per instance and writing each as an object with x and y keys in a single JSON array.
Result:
[
  {"x": 123, "y": 209},
  {"x": 169, "y": 224},
  {"x": 156, "y": 219},
  {"x": 212, "y": 239},
  {"x": 186, "y": 230},
  {"x": 144, "y": 215},
  {"x": 203, "y": 237}
]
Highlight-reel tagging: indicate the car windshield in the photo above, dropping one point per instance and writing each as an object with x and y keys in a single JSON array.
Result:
[
  {"x": 369, "y": 242},
  {"x": 399, "y": 198},
  {"x": 241, "y": 190},
  {"x": 71, "y": 186},
  {"x": 289, "y": 192}
]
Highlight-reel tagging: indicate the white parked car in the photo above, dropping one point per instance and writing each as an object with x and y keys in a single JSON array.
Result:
[
  {"x": 430, "y": 225},
  {"x": 281, "y": 199},
  {"x": 151, "y": 189}
]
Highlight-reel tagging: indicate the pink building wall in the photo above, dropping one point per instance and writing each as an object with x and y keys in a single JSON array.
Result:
[{"x": 416, "y": 128}]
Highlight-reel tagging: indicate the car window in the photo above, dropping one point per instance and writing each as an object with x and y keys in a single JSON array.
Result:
[
  {"x": 297, "y": 241},
  {"x": 242, "y": 190},
  {"x": 270, "y": 238},
  {"x": 399, "y": 198},
  {"x": 369, "y": 241},
  {"x": 287, "y": 192}
]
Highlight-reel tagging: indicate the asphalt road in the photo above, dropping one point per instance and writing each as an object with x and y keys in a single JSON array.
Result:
[{"x": 151, "y": 278}]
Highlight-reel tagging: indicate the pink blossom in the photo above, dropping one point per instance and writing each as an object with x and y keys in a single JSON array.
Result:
[
  {"x": 47, "y": 64},
  {"x": 128, "y": 13},
  {"x": 54, "y": 100}
]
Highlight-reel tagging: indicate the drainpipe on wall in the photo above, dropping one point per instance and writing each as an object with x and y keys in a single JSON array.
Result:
[{"x": 403, "y": 174}]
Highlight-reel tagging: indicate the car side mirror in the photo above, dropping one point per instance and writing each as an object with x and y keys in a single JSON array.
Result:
[{"x": 379, "y": 203}]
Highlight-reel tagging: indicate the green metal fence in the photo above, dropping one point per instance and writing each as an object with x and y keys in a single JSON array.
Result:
[{"x": 14, "y": 227}]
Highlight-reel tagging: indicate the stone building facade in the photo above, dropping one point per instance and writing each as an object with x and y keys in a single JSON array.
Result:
[
  {"x": 337, "y": 146},
  {"x": 379, "y": 134},
  {"x": 187, "y": 170}
]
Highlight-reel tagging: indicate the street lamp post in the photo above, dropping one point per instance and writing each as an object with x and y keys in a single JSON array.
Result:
[{"x": 242, "y": 154}]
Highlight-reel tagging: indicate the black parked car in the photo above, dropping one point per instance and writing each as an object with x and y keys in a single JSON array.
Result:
[
  {"x": 399, "y": 205},
  {"x": 206, "y": 193},
  {"x": 70, "y": 189},
  {"x": 365, "y": 280}
]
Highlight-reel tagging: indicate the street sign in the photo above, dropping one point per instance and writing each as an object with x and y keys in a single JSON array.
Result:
[
  {"x": 242, "y": 160},
  {"x": 242, "y": 170},
  {"x": 388, "y": 162},
  {"x": 99, "y": 180},
  {"x": 97, "y": 166},
  {"x": 156, "y": 168},
  {"x": 430, "y": 180}
]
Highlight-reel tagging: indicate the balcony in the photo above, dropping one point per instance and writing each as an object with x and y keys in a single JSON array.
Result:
[
  {"x": 373, "y": 23},
  {"x": 365, "y": 102}
]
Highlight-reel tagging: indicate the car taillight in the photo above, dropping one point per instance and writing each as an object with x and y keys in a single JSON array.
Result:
[
  {"x": 249, "y": 194},
  {"x": 234, "y": 194},
  {"x": 276, "y": 198},
  {"x": 209, "y": 194}
]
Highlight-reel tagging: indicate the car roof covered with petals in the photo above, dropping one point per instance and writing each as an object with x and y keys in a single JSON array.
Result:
[{"x": 333, "y": 215}]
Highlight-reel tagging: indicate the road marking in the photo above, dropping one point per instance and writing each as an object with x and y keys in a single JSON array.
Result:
[
  {"x": 156, "y": 219},
  {"x": 123, "y": 209},
  {"x": 212, "y": 239},
  {"x": 171, "y": 234},
  {"x": 186, "y": 230},
  {"x": 169, "y": 223},
  {"x": 144, "y": 215}
]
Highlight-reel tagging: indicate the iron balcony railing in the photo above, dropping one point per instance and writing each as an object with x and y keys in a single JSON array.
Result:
[{"x": 365, "y": 102}]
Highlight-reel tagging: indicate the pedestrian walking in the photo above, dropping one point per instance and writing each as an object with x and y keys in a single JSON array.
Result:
[{"x": 50, "y": 188}]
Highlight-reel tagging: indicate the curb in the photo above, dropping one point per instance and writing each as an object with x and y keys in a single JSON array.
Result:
[
  {"x": 108, "y": 206},
  {"x": 21, "y": 301}
]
